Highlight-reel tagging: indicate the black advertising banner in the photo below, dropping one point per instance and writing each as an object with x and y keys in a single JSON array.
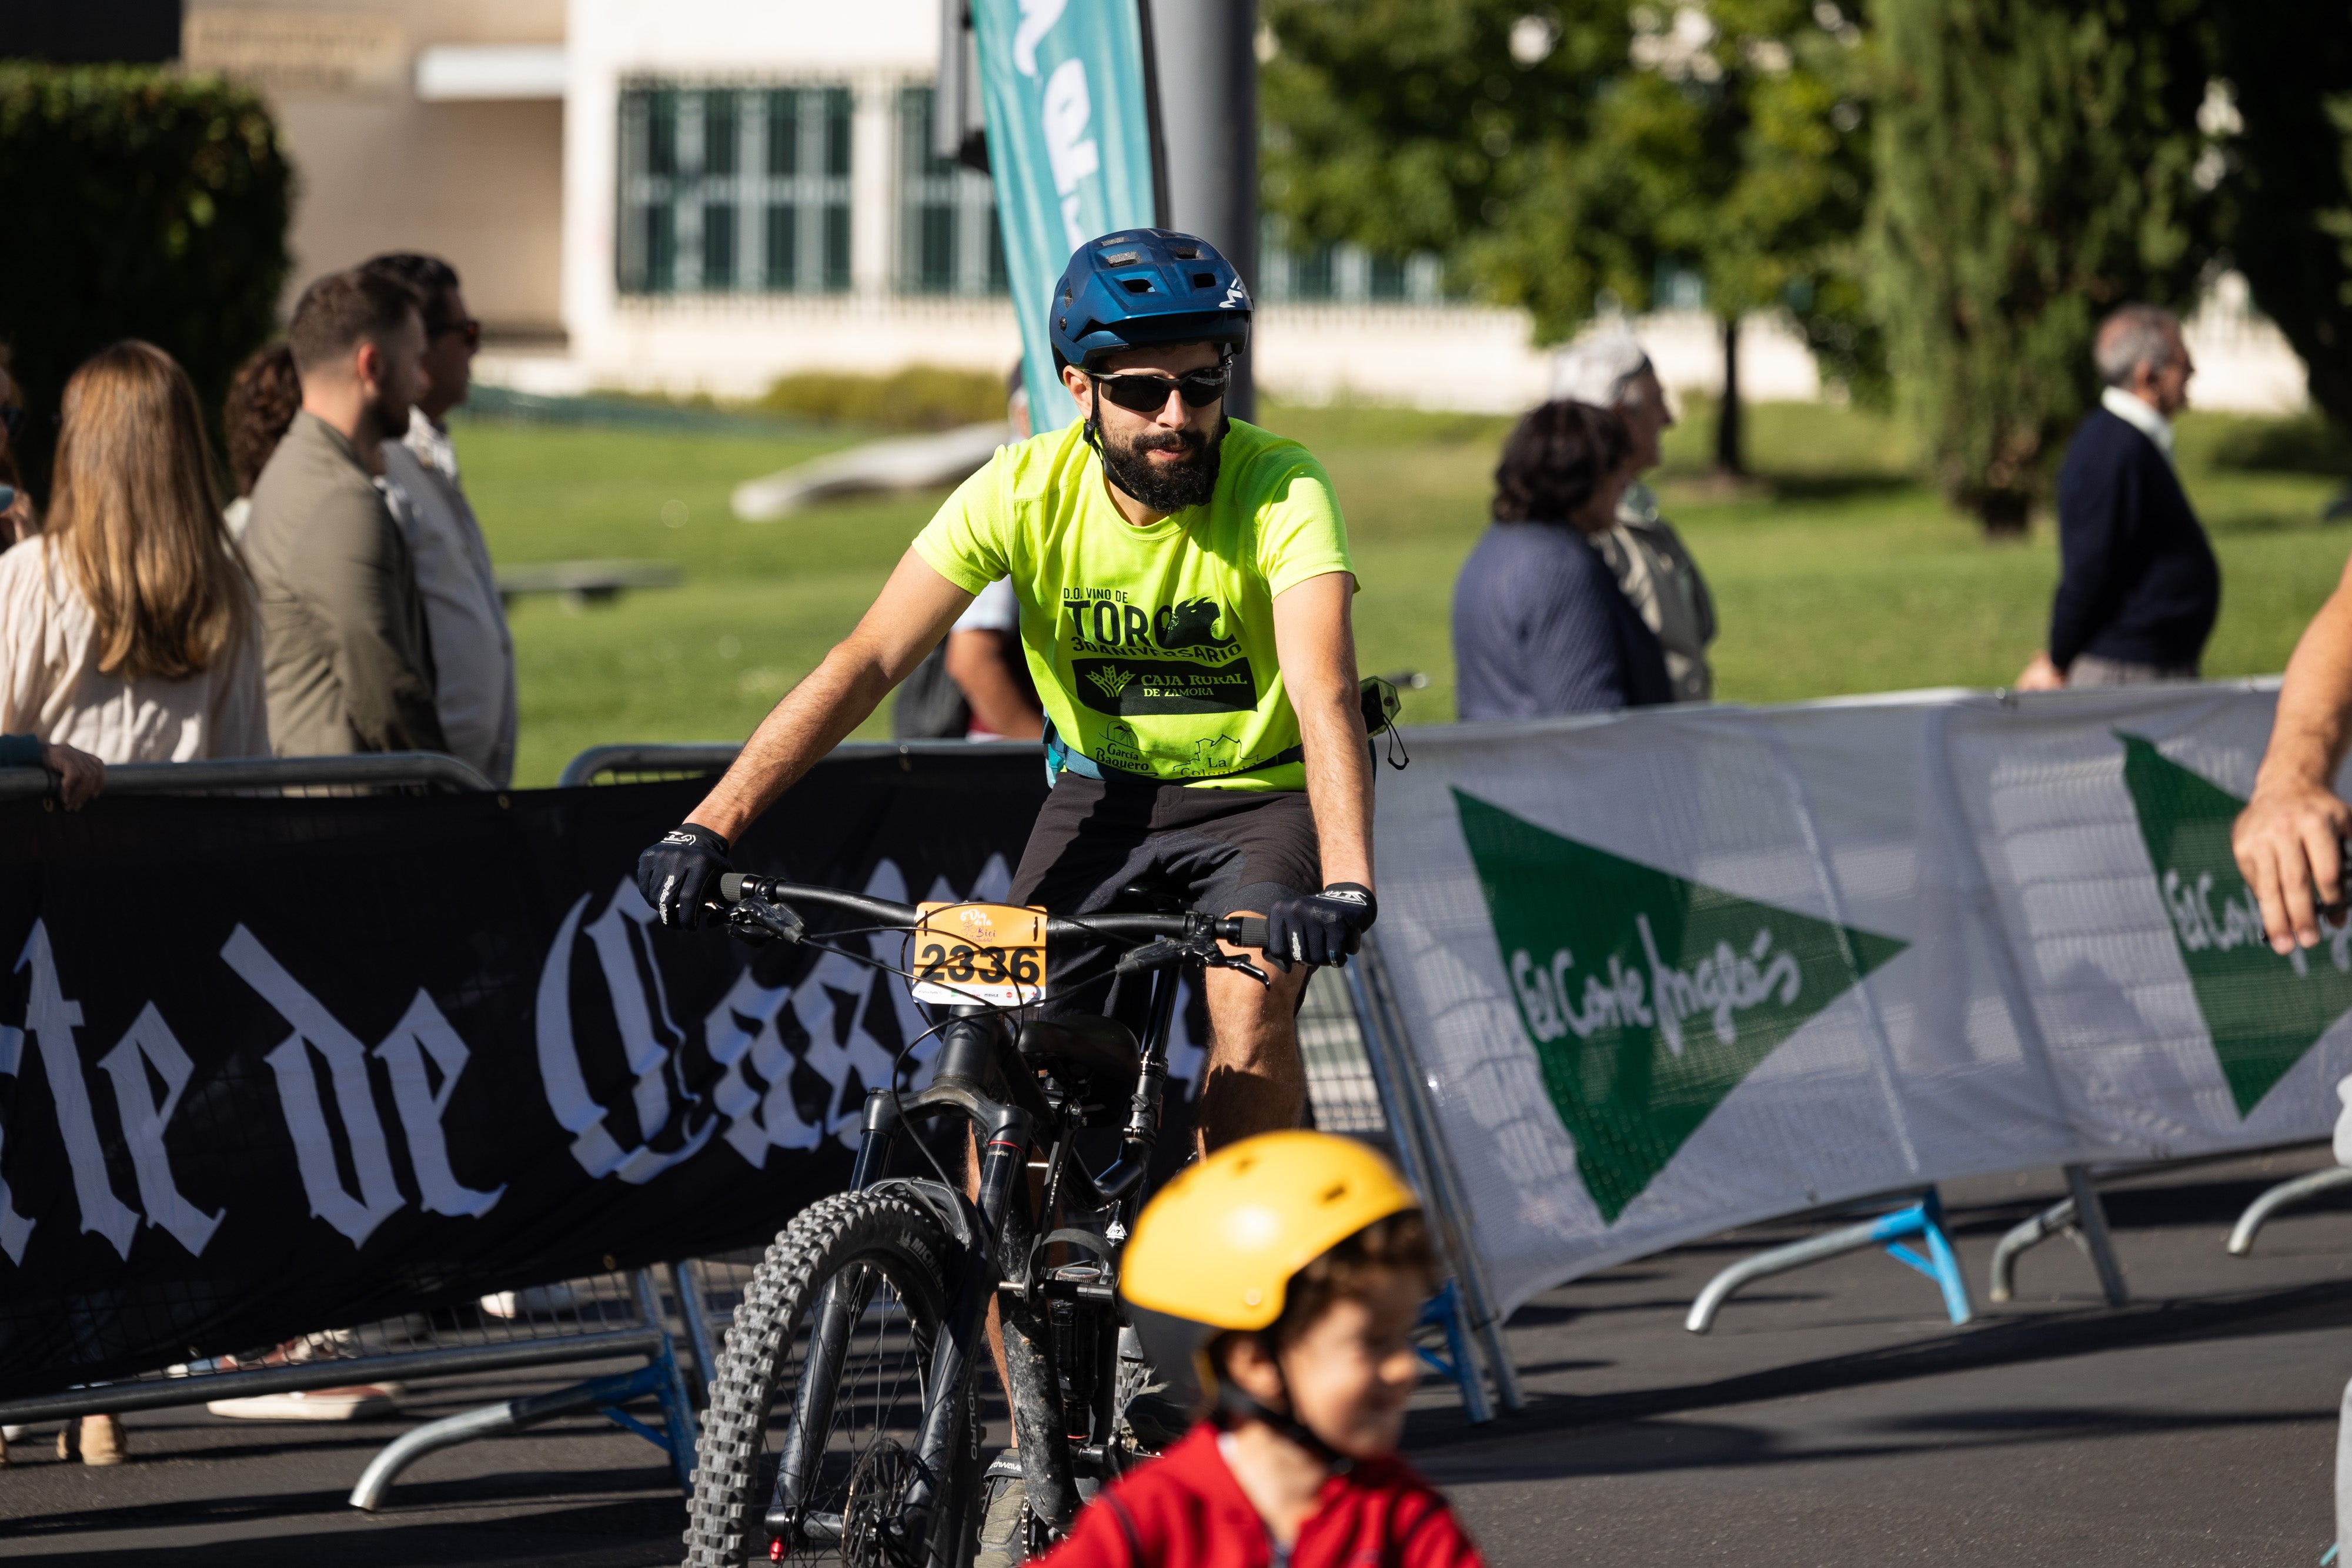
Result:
[{"x": 268, "y": 1066}]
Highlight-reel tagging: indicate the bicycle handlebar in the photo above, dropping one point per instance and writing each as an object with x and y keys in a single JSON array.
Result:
[{"x": 1240, "y": 930}]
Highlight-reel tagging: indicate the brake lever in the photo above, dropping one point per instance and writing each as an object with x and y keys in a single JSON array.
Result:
[
  {"x": 1218, "y": 958},
  {"x": 1156, "y": 953},
  {"x": 756, "y": 921}
]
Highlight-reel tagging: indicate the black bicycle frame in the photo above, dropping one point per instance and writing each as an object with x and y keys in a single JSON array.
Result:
[{"x": 977, "y": 1050}]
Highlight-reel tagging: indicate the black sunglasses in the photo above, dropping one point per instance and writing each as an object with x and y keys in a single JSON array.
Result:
[{"x": 1144, "y": 393}]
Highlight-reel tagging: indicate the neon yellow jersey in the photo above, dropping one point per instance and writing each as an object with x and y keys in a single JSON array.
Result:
[{"x": 1153, "y": 648}]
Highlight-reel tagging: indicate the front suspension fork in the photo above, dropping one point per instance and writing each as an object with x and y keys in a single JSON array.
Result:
[
  {"x": 830, "y": 1326},
  {"x": 1004, "y": 1159}
]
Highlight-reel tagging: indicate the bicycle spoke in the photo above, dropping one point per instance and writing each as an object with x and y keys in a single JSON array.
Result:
[{"x": 885, "y": 1353}]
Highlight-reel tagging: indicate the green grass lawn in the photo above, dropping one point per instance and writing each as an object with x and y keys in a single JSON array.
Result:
[{"x": 1835, "y": 573}]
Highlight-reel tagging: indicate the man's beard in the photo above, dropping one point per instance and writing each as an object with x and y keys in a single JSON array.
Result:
[
  {"x": 1169, "y": 486},
  {"x": 391, "y": 415}
]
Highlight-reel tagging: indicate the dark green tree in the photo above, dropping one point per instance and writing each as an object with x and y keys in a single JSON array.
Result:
[
  {"x": 2289, "y": 178},
  {"x": 1409, "y": 125},
  {"x": 2036, "y": 167},
  {"x": 1563, "y": 159},
  {"x": 142, "y": 204}
]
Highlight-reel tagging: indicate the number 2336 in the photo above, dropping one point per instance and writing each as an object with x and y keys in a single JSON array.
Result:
[{"x": 939, "y": 960}]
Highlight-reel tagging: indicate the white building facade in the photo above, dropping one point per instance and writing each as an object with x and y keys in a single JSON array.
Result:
[{"x": 703, "y": 196}]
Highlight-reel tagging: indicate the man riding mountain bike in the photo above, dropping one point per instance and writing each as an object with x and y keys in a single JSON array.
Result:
[{"x": 1184, "y": 586}]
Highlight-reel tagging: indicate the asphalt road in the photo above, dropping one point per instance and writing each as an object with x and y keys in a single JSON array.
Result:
[{"x": 1834, "y": 1417}]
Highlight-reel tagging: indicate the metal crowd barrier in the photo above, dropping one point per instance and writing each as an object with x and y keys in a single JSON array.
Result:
[
  {"x": 598, "y": 1319},
  {"x": 1357, "y": 1060},
  {"x": 1469, "y": 1309},
  {"x": 695, "y": 758},
  {"x": 2082, "y": 1215},
  {"x": 383, "y": 772},
  {"x": 2286, "y": 1194},
  {"x": 1921, "y": 1217}
]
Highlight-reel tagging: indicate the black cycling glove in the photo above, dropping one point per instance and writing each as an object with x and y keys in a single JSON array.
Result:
[
  {"x": 680, "y": 871},
  {"x": 1323, "y": 927}
]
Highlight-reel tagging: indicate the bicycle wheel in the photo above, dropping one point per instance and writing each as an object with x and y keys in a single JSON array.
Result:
[{"x": 885, "y": 1257}]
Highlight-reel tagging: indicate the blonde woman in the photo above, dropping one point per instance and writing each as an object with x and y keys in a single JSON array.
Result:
[{"x": 129, "y": 627}]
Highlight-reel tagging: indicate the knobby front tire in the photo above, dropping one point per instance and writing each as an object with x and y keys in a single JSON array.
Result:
[{"x": 892, "y": 1255}]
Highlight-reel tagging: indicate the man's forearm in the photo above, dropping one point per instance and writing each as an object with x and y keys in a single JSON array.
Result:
[
  {"x": 1339, "y": 786},
  {"x": 2308, "y": 736},
  {"x": 815, "y": 717}
]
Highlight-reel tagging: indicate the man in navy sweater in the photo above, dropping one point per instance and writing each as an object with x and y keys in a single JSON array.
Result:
[{"x": 2140, "y": 587}]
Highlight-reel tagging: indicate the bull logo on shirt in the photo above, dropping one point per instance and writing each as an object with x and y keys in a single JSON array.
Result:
[{"x": 1190, "y": 623}]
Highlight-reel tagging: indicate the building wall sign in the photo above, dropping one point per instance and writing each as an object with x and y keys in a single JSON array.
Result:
[{"x": 297, "y": 52}]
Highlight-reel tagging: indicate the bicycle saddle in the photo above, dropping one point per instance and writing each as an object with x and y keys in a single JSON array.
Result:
[{"x": 1094, "y": 1057}]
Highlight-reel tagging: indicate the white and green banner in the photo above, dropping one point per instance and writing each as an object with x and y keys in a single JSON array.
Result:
[
  {"x": 1069, "y": 148},
  {"x": 1678, "y": 970}
]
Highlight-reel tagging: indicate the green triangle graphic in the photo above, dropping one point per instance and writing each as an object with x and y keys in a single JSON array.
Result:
[
  {"x": 1648, "y": 998},
  {"x": 2264, "y": 1012}
]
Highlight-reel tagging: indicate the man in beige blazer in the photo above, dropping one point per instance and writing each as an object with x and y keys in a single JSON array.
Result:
[{"x": 346, "y": 656}]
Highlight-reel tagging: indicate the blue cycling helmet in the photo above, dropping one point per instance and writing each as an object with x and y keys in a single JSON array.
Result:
[{"x": 1141, "y": 286}]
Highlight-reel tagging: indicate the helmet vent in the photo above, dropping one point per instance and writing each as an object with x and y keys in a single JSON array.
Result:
[
  {"x": 1336, "y": 1193},
  {"x": 1136, "y": 285},
  {"x": 1124, "y": 258},
  {"x": 1185, "y": 252},
  {"x": 1204, "y": 280}
]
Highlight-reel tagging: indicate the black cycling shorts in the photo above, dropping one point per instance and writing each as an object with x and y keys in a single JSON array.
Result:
[{"x": 1217, "y": 851}]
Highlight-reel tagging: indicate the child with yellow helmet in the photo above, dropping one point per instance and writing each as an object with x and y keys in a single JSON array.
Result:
[{"x": 1287, "y": 1270}]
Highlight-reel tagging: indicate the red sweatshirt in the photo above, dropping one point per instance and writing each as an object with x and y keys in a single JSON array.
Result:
[{"x": 1185, "y": 1510}]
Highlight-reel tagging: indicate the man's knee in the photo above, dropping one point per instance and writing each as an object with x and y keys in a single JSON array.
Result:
[{"x": 1242, "y": 1008}]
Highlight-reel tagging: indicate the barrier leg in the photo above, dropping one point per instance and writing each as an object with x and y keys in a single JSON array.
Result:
[
  {"x": 1421, "y": 1147},
  {"x": 2026, "y": 1233},
  {"x": 1924, "y": 1220},
  {"x": 2285, "y": 1195},
  {"x": 676, "y": 1401},
  {"x": 660, "y": 1378},
  {"x": 512, "y": 1414},
  {"x": 2080, "y": 1214},
  {"x": 1444, "y": 1311},
  {"x": 699, "y": 1337},
  {"x": 2091, "y": 1217}
]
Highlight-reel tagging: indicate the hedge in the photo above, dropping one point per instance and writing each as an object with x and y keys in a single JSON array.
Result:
[{"x": 138, "y": 204}]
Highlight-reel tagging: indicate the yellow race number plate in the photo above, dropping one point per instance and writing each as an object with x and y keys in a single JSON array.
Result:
[{"x": 979, "y": 954}]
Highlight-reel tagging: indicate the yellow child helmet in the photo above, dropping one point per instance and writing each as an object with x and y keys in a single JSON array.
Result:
[{"x": 1215, "y": 1250}]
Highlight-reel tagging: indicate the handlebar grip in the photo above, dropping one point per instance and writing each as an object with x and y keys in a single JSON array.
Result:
[
  {"x": 730, "y": 886},
  {"x": 1248, "y": 931}
]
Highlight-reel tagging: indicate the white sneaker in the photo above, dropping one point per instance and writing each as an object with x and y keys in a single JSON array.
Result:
[{"x": 313, "y": 1404}]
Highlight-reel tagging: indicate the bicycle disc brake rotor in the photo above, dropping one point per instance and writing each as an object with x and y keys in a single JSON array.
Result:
[{"x": 877, "y": 1493}]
